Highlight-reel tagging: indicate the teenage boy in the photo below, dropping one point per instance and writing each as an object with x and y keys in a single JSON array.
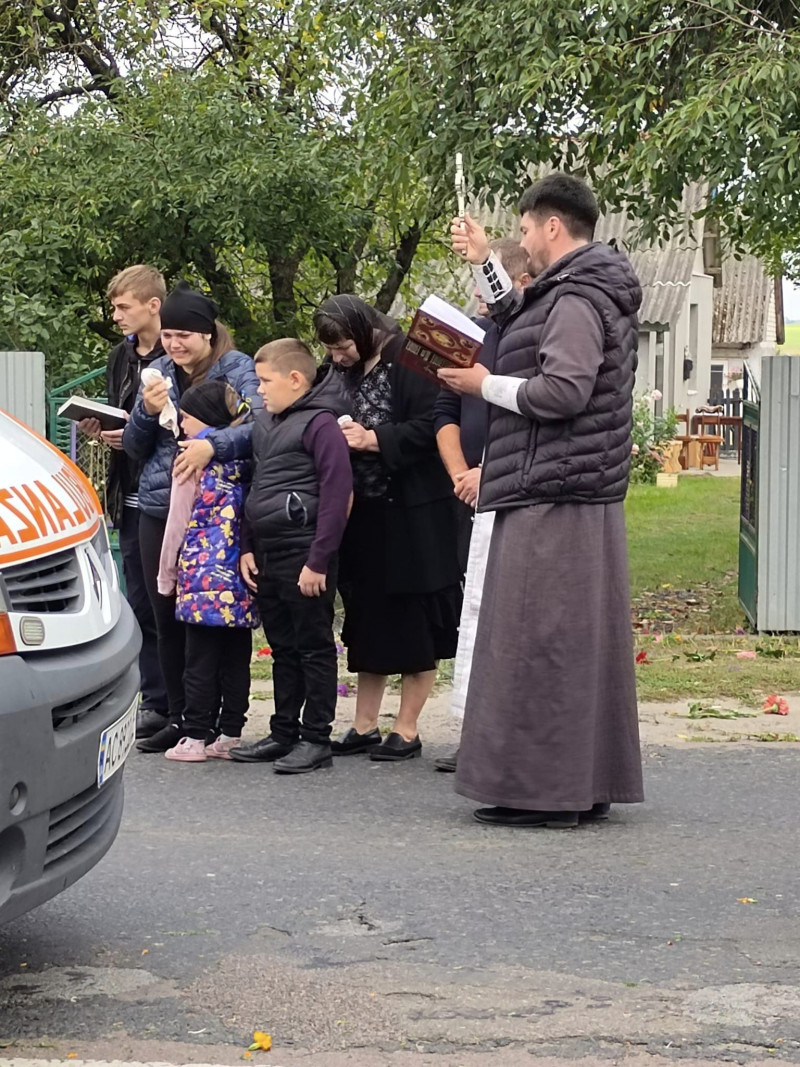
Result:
[
  {"x": 136, "y": 294},
  {"x": 295, "y": 518}
]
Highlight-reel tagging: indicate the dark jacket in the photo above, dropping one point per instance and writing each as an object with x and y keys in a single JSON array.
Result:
[
  {"x": 123, "y": 374},
  {"x": 421, "y": 528},
  {"x": 284, "y": 498},
  {"x": 576, "y": 448},
  {"x": 469, "y": 413},
  {"x": 148, "y": 442}
]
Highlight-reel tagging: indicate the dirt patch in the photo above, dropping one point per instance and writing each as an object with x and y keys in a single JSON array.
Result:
[{"x": 660, "y": 723}]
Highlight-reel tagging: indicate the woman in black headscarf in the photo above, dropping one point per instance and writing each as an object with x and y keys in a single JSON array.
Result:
[{"x": 399, "y": 574}]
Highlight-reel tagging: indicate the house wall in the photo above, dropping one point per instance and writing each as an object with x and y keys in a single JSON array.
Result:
[{"x": 690, "y": 338}]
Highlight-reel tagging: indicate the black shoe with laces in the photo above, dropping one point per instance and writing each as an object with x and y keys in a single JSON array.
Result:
[
  {"x": 305, "y": 757},
  {"x": 149, "y": 721},
  {"x": 264, "y": 751},
  {"x": 167, "y": 737}
]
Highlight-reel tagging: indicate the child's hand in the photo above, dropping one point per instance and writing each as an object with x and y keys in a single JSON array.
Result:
[
  {"x": 247, "y": 565},
  {"x": 194, "y": 455},
  {"x": 311, "y": 583}
]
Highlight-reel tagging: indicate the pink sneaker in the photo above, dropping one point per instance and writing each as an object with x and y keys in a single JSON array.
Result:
[
  {"x": 188, "y": 750},
  {"x": 222, "y": 749}
]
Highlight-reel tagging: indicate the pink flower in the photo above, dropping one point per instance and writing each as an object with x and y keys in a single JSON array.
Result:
[
  {"x": 747, "y": 654},
  {"x": 634, "y": 450},
  {"x": 656, "y": 394},
  {"x": 775, "y": 705}
]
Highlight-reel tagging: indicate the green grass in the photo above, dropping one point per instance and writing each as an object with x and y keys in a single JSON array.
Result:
[
  {"x": 683, "y": 545},
  {"x": 683, "y": 549},
  {"x": 792, "y": 345}
]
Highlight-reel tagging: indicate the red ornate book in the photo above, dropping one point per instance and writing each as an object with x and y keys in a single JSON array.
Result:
[{"x": 441, "y": 336}]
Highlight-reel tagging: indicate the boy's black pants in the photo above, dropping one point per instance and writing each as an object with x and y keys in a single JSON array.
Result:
[
  {"x": 299, "y": 630},
  {"x": 217, "y": 673}
]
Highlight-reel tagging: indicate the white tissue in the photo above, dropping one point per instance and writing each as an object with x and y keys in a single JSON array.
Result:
[{"x": 168, "y": 416}]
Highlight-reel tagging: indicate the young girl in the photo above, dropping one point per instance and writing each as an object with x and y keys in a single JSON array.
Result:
[{"x": 200, "y": 566}]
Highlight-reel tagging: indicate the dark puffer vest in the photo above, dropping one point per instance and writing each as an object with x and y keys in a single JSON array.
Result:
[
  {"x": 284, "y": 497},
  {"x": 584, "y": 459}
]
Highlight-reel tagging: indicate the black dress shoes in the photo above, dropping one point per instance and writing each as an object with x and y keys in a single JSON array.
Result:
[
  {"x": 149, "y": 722},
  {"x": 597, "y": 813},
  {"x": 264, "y": 751},
  {"x": 394, "y": 748},
  {"x": 555, "y": 820},
  {"x": 167, "y": 737},
  {"x": 352, "y": 742},
  {"x": 447, "y": 763},
  {"x": 304, "y": 758}
]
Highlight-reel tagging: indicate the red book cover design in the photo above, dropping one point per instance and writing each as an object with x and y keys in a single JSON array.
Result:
[{"x": 433, "y": 343}]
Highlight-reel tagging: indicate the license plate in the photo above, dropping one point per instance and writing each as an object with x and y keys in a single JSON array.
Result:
[{"x": 116, "y": 741}]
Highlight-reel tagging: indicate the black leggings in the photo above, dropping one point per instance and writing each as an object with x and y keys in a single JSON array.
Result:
[
  {"x": 217, "y": 673},
  {"x": 171, "y": 633}
]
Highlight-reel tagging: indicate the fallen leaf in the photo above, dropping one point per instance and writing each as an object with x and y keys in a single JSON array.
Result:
[{"x": 746, "y": 900}]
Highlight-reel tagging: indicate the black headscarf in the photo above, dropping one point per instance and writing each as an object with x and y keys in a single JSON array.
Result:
[
  {"x": 186, "y": 309},
  {"x": 349, "y": 318}
]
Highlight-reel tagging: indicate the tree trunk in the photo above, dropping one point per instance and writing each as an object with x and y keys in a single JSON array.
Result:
[
  {"x": 282, "y": 274},
  {"x": 406, "y": 250}
]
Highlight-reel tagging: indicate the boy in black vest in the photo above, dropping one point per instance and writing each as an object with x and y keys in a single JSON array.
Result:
[{"x": 295, "y": 518}]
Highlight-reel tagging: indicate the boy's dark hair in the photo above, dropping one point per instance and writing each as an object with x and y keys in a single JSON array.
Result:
[
  {"x": 288, "y": 354},
  {"x": 566, "y": 196},
  {"x": 513, "y": 257}
]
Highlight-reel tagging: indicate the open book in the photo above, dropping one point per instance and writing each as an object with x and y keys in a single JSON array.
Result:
[
  {"x": 441, "y": 336},
  {"x": 78, "y": 407}
]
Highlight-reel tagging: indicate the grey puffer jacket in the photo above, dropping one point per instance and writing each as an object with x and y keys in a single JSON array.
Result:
[
  {"x": 583, "y": 457},
  {"x": 156, "y": 448}
]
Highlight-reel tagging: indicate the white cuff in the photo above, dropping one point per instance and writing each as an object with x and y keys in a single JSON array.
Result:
[
  {"x": 501, "y": 390},
  {"x": 492, "y": 279}
]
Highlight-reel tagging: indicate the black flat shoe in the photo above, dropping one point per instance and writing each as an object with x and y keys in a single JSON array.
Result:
[
  {"x": 555, "y": 820},
  {"x": 264, "y": 751},
  {"x": 352, "y": 742},
  {"x": 304, "y": 758},
  {"x": 447, "y": 764},
  {"x": 394, "y": 748},
  {"x": 167, "y": 737},
  {"x": 597, "y": 813},
  {"x": 149, "y": 722}
]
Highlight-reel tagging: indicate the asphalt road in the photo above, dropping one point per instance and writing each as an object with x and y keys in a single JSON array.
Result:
[{"x": 361, "y": 916}]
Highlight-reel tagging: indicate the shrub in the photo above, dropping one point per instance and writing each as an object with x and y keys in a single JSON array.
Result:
[{"x": 650, "y": 433}]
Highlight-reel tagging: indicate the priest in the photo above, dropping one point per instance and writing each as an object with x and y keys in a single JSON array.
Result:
[{"x": 550, "y": 729}]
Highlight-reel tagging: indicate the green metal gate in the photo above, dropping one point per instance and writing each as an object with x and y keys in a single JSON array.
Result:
[{"x": 748, "y": 513}]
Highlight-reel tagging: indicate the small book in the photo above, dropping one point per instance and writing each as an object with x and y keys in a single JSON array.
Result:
[
  {"x": 78, "y": 407},
  {"x": 441, "y": 336}
]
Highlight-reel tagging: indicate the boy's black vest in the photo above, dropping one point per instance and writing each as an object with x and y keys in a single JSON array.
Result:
[
  {"x": 284, "y": 497},
  {"x": 585, "y": 459}
]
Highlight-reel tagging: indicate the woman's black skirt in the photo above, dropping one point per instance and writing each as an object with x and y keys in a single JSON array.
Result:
[{"x": 389, "y": 633}]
